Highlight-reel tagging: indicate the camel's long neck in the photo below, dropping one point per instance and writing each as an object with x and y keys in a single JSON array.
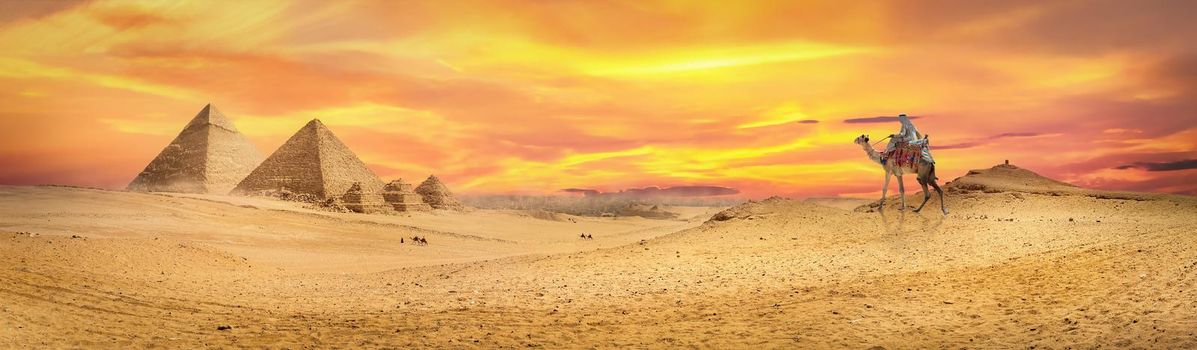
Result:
[{"x": 876, "y": 157}]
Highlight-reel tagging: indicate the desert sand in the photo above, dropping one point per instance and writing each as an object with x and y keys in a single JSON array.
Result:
[{"x": 1020, "y": 262}]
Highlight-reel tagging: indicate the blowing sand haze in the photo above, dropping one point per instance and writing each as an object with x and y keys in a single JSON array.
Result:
[{"x": 599, "y": 174}]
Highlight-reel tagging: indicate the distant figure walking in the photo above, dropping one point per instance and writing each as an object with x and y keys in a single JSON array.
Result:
[
  {"x": 400, "y": 240},
  {"x": 589, "y": 237}
]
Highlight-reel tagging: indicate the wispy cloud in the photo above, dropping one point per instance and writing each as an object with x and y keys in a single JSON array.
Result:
[
  {"x": 1017, "y": 134},
  {"x": 961, "y": 145},
  {"x": 986, "y": 141}
]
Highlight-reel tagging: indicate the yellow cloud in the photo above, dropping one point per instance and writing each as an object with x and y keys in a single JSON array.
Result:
[
  {"x": 691, "y": 163},
  {"x": 785, "y": 113},
  {"x": 577, "y": 159},
  {"x": 373, "y": 115},
  {"x": 23, "y": 69},
  {"x": 143, "y": 127},
  {"x": 710, "y": 59}
]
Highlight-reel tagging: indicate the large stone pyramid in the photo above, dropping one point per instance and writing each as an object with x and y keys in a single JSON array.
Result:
[
  {"x": 437, "y": 195},
  {"x": 208, "y": 156},
  {"x": 315, "y": 162}
]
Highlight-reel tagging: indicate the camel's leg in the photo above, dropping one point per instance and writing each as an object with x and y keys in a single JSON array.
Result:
[
  {"x": 942, "y": 206},
  {"x": 901, "y": 193},
  {"x": 885, "y": 189},
  {"x": 926, "y": 195}
]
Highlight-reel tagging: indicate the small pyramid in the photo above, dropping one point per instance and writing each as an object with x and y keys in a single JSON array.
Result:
[
  {"x": 208, "y": 156},
  {"x": 359, "y": 201},
  {"x": 315, "y": 162},
  {"x": 401, "y": 197},
  {"x": 437, "y": 195}
]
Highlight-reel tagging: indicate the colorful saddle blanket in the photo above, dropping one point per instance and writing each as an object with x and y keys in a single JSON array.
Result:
[{"x": 907, "y": 154}]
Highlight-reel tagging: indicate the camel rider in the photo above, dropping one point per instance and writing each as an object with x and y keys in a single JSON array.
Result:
[
  {"x": 908, "y": 132},
  {"x": 908, "y": 135}
]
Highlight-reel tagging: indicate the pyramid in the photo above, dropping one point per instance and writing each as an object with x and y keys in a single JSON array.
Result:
[
  {"x": 437, "y": 195},
  {"x": 400, "y": 196},
  {"x": 315, "y": 162},
  {"x": 357, "y": 200},
  {"x": 208, "y": 156}
]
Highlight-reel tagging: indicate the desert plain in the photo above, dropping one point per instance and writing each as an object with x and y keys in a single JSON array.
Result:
[{"x": 1021, "y": 261}]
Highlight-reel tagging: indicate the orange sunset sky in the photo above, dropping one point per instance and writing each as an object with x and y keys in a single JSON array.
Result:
[{"x": 537, "y": 96}]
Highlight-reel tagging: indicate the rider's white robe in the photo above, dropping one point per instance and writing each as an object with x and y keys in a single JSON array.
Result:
[{"x": 909, "y": 135}]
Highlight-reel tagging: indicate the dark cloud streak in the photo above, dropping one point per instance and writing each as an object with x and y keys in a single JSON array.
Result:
[
  {"x": 1017, "y": 134},
  {"x": 870, "y": 120},
  {"x": 981, "y": 142},
  {"x": 962, "y": 145},
  {"x": 1161, "y": 166}
]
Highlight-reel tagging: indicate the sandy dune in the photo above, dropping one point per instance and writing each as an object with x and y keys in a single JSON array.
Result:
[
  {"x": 291, "y": 237},
  {"x": 1008, "y": 268}
]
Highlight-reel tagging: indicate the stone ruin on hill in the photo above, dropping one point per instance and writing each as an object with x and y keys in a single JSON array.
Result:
[
  {"x": 437, "y": 195},
  {"x": 400, "y": 196},
  {"x": 315, "y": 162},
  {"x": 208, "y": 156}
]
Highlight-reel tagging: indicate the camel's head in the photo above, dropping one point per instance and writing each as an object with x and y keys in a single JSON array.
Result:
[{"x": 863, "y": 139}]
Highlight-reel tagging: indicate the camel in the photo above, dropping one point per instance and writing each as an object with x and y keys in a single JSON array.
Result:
[{"x": 923, "y": 168}]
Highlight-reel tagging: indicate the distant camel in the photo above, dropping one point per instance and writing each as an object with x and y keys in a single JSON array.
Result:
[
  {"x": 589, "y": 237},
  {"x": 893, "y": 167},
  {"x": 423, "y": 241}
]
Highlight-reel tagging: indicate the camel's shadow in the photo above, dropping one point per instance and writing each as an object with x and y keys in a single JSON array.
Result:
[{"x": 896, "y": 224}]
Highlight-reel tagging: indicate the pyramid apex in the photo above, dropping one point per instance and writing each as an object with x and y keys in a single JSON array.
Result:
[
  {"x": 208, "y": 156},
  {"x": 315, "y": 125},
  {"x": 317, "y": 128},
  {"x": 437, "y": 195},
  {"x": 312, "y": 161},
  {"x": 209, "y": 115},
  {"x": 433, "y": 182}
]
